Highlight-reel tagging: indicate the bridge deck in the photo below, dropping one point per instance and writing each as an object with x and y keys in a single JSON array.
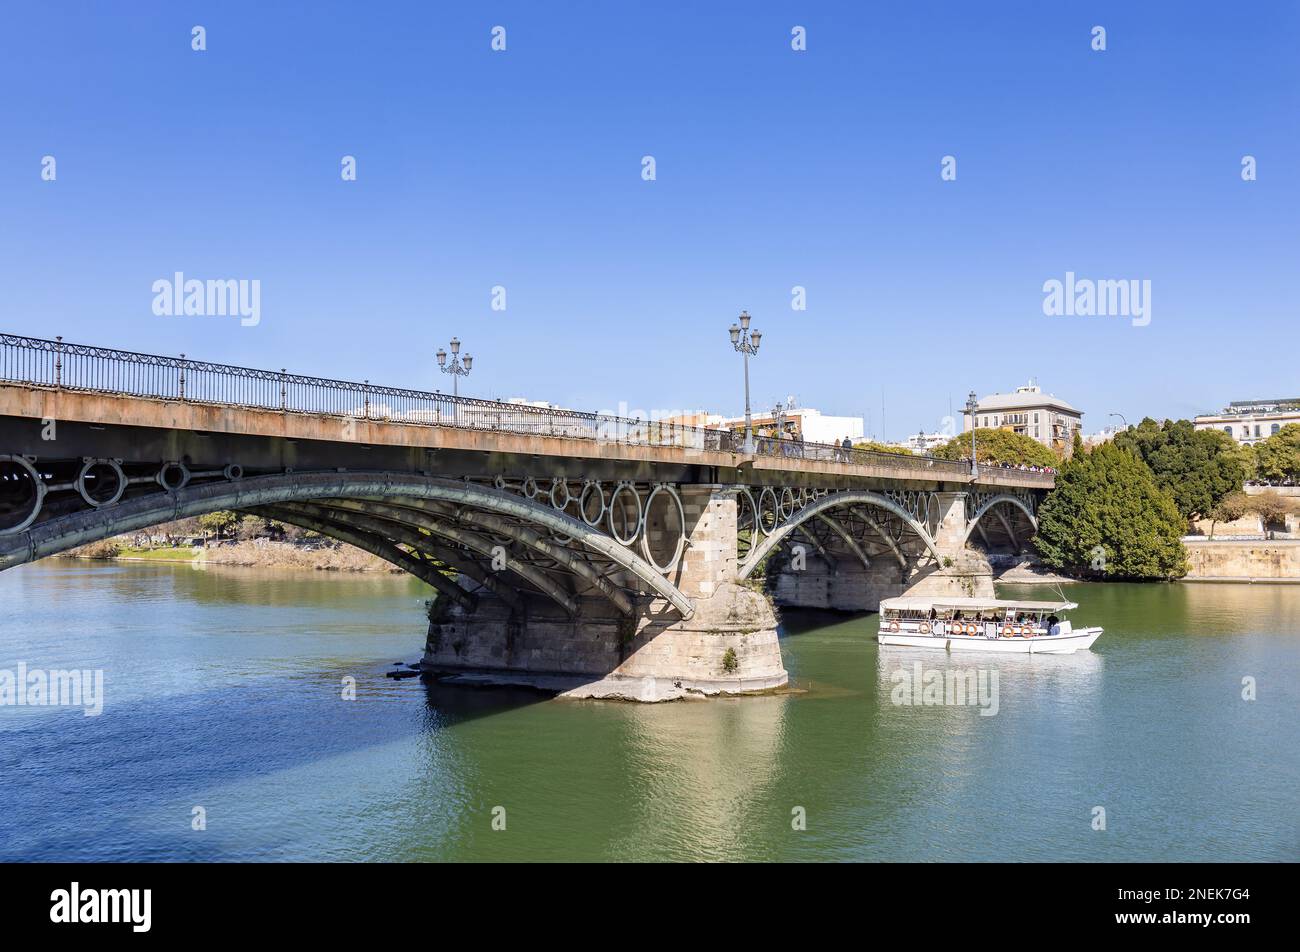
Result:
[
  {"x": 42, "y": 379},
  {"x": 40, "y": 403}
]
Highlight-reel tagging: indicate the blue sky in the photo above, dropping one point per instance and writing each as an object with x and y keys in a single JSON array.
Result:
[{"x": 775, "y": 168}]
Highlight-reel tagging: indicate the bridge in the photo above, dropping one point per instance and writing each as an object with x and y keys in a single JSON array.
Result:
[{"x": 644, "y": 558}]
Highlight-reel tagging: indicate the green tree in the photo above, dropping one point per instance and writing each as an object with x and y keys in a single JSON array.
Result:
[
  {"x": 1277, "y": 459},
  {"x": 1108, "y": 517},
  {"x": 1197, "y": 467},
  {"x": 881, "y": 448},
  {"x": 1243, "y": 454},
  {"x": 219, "y": 522},
  {"x": 999, "y": 446}
]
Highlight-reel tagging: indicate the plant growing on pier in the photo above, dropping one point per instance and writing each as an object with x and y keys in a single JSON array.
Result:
[
  {"x": 730, "y": 663},
  {"x": 995, "y": 447},
  {"x": 1108, "y": 518}
]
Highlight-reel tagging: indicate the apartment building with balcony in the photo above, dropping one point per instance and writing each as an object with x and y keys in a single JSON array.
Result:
[{"x": 1029, "y": 412}]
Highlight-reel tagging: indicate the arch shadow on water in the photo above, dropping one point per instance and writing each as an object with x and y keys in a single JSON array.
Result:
[{"x": 79, "y": 788}]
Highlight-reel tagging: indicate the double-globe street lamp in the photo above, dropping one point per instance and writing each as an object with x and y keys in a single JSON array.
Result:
[
  {"x": 746, "y": 341},
  {"x": 459, "y": 366},
  {"x": 972, "y": 404}
]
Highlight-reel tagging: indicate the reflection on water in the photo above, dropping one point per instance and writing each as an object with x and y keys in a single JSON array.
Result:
[{"x": 223, "y": 691}]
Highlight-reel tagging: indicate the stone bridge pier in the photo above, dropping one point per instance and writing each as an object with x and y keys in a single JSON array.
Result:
[
  {"x": 735, "y": 553},
  {"x": 820, "y": 569},
  {"x": 726, "y": 644}
]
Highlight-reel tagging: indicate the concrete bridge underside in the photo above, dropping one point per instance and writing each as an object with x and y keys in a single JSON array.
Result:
[{"x": 638, "y": 571}]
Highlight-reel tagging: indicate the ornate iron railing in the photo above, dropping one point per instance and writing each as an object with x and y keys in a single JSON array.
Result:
[{"x": 57, "y": 364}]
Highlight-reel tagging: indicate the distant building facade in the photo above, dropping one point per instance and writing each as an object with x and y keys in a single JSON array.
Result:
[
  {"x": 1029, "y": 412},
  {"x": 924, "y": 443},
  {"x": 1250, "y": 421},
  {"x": 806, "y": 423},
  {"x": 1104, "y": 435}
]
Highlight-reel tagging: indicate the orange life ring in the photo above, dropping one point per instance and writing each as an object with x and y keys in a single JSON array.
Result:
[
  {"x": 925, "y": 627},
  {"x": 1029, "y": 632},
  {"x": 972, "y": 629},
  {"x": 1006, "y": 631},
  {"x": 893, "y": 626}
]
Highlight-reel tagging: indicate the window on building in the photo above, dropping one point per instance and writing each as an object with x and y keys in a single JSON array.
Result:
[
  {"x": 1256, "y": 429},
  {"x": 1228, "y": 430},
  {"x": 1275, "y": 427}
]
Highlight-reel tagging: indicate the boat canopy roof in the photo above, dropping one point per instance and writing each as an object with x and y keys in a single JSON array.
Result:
[{"x": 923, "y": 603}]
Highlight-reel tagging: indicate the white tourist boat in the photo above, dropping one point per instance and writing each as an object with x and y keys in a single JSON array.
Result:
[{"x": 982, "y": 624}]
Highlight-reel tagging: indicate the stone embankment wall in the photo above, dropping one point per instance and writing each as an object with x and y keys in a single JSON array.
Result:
[{"x": 1256, "y": 561}]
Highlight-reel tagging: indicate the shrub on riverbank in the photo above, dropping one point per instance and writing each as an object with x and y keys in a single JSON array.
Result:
[
  {"x": 326, "y": 557},
  {"x": 320, "y": 557},
  {"x": 1107, "y": 518},
  {"x": 103, "y": 549}
]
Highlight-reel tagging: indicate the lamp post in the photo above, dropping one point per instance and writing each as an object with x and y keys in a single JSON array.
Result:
[
  {"x": 1123, "y": 419},
  {"x": 459, "y": 366},
  {"x": 746, "y": 341},
  {"x": 778, "y": 417},
  {"x": 972, "y": 405}
]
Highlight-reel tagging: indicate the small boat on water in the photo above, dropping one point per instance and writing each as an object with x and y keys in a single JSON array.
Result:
[{"x": 982, "y": 624}]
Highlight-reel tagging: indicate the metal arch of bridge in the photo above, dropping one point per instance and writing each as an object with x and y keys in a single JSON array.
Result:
[
  {"x": 62, "y": 533},
  {"x": 371, "y": 520},
  {"x": 987, "y": 504},
  {"x": 820, "y": 506}
]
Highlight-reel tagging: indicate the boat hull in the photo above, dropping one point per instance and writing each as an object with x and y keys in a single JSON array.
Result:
[{"x": 1079, "y": 640}]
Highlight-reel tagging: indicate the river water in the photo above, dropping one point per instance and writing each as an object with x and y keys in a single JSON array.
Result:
[{"x": 222, "y": 703}]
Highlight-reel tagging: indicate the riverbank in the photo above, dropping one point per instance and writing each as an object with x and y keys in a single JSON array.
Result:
[
  {"x": 259, "y": 553},
  {"x": 1254, "y": 561},
  {"x": 1025, "y": 570},
  {"x": 1229, "y": 560}
]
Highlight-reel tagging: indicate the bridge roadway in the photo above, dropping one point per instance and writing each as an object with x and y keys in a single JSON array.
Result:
[{"x": 613, "y": 556}]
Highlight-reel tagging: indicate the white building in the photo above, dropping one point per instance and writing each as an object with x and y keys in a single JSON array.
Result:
[
  {"x": 810, "y": 424},
  {"x": 924, "y": 443},
  {"x": 1029, "y": 412},
  {"x": 1104, "y": 435},
  {"x": 1250, "y": 421}
]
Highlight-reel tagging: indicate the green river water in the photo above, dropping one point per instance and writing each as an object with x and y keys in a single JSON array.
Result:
[{"x": 222, "y": 690}]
